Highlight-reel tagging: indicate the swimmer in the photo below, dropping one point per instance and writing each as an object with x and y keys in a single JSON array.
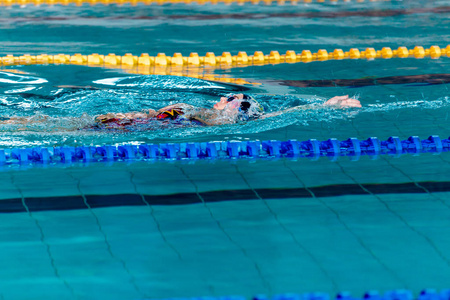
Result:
[{"x": 229, "y": 110}]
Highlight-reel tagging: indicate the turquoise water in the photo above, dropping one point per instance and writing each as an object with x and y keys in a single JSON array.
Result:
[{"x": 180, "y": 229}]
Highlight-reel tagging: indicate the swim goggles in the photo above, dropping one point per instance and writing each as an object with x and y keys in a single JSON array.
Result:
[{"x": 234, "y": 97}]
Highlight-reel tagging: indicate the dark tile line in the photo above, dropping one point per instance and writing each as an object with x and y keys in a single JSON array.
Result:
[{"x": 97, "y": 201}]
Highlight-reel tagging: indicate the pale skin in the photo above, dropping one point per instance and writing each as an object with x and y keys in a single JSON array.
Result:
[{"x": 205, "y": 115}]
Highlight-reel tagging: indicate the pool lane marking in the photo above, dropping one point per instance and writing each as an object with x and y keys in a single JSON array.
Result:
[{"x": 56, "y": 203}]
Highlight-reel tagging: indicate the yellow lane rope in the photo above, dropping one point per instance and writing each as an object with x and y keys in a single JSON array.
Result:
[
  {"x": 160, "y": 2},
  {"x": 202, "y": 66},
  {"x": 226, "y": 60}
]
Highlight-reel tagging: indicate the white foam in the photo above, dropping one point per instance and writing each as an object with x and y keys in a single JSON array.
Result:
[
  {"x": 20, "y": 79},
  {"x": 25, "y": 89}
]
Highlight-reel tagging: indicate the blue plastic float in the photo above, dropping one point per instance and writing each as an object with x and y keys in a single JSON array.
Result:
[
  {"x": 401, "y": 294},
  {"x": 312, "y": 148}
]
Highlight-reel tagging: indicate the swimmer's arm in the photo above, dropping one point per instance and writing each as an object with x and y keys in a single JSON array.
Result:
[
  {"x": 206, "y": 116},
  {"x": 337, "y": 101},
  {"x": 14, "y": 120},
  {"x": 109, "y": 116},
  {"x": 203, "y": 115},
  {"x": 277, "y": 113},
  {"x": 204, "y": 122},
  {"x": 133, "y": 115},
  {"x": 24, "y": 120}
]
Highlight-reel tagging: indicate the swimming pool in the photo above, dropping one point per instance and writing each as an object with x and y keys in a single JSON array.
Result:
[{"x": 160, "y": 229}]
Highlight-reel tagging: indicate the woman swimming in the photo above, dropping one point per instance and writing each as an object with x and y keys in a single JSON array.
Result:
[{"x": 229, "y": 110}]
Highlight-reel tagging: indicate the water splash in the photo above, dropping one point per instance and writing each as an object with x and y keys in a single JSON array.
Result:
[
  {"x": 423, "y": 104},
  {"x": 9, "y": 78}
]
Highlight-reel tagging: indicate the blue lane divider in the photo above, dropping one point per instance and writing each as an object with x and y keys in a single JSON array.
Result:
[
  {"x": 312, "y": 148},
  {"x": 427, "y": 294},
  {"x": 401, "y": 294}
]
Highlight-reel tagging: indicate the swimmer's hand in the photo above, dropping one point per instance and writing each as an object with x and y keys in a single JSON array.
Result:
[{"x": 343, "y": 101}]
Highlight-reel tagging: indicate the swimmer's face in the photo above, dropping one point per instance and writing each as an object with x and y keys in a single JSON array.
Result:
[{"x": 224, "y": 101}]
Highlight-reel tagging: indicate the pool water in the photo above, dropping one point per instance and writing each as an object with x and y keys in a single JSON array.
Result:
[{"x": 155, "y": 229}]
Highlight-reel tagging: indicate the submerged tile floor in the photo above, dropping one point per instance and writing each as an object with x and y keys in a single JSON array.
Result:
[{"x": 353, "y": 232}]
